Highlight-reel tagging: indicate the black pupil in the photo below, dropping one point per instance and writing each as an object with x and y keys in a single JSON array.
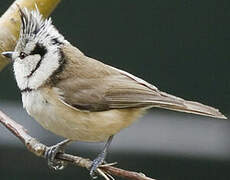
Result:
[{"x": 22, "y": 55}]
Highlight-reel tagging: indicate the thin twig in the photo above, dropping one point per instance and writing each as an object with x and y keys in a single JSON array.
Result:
[{"x": 39, "y": 149}]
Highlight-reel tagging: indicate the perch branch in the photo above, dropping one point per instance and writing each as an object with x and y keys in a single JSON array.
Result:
[{"x": 39, "y": 149}]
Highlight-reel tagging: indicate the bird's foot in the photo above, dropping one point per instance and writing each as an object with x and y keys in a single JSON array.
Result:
[
  {"x": 51, "y": 153},
  {"x": 96, "y": 163},
  {"x": 100, "y": 159}
]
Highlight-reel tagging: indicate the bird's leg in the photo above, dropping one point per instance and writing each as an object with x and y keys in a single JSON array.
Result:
[
  {"x": 100, "y": 158},
  {"x": 52, "y": 151}
]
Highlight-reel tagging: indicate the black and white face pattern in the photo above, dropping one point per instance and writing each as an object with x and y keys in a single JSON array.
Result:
[{"x": 38, "y": 53}]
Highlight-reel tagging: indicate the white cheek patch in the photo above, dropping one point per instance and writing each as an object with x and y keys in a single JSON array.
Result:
[
  {"x": 31, "y": 62},
  {"x": 23, "y": 68},
  {"x": 49, "y": 64},
  {"x": 20, "y": 71},
  {"x": 31, "y": 75}
]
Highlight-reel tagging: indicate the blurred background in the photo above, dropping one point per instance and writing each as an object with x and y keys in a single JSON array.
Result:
[{"x": 182, "y": 47}]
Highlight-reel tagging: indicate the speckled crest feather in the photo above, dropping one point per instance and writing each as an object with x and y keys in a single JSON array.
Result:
[{"x": 34, "y": 26}]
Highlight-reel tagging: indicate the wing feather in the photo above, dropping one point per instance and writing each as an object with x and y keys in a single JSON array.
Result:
[{"x": 93, "y": 86}]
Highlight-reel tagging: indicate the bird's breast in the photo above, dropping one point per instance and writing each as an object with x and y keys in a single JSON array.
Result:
[{"x": 62, "y": 119}]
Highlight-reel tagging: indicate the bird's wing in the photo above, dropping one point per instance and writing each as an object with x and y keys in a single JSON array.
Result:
[
  {"x": 95, "y": 86},
  {"x": 110, "y": 92}
]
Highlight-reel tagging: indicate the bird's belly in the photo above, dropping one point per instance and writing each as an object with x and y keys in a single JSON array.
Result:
[{"x": 74, "y": 124}]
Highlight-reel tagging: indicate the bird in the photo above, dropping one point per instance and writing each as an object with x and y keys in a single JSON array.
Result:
[{"x": 77, "y": 97}]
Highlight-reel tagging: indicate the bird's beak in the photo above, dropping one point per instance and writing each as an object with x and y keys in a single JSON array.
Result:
[{"x": 8, "y": 54}]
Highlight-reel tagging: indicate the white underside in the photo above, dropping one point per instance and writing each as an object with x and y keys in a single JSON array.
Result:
[{"x": 46, "y": 107}]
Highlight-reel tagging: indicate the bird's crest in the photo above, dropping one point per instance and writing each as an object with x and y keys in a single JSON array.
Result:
[{"x": 35, "y": 27}]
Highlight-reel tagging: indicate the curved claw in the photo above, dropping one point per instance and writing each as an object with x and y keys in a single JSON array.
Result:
[
  {"x": 50, "y": 154},
  {"x": 52, "y": 151}
]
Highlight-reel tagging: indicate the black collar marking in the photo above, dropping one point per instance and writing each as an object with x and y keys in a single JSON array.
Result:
[
  {"x": 26, "y": 90},
  {"x": 54, "y": 78}
]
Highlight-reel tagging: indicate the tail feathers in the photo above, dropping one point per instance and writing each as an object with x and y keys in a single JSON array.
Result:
[{"x": 191, "y": 107}]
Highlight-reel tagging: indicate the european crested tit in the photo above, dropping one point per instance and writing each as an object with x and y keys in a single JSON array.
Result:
[{"x": 77, "y": 97}]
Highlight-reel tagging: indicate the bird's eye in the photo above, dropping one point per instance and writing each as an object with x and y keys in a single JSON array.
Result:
[{"x": 22, "y": 55}]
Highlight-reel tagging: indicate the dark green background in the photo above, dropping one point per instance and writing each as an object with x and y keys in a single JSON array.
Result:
[{"x": 180, "y": 46}]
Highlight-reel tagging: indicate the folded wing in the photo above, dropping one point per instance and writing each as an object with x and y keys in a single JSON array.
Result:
[{"x": 99, "y": 87}]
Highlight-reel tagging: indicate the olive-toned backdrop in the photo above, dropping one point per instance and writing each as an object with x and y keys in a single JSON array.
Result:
[{"x": 182, "y": 47}]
